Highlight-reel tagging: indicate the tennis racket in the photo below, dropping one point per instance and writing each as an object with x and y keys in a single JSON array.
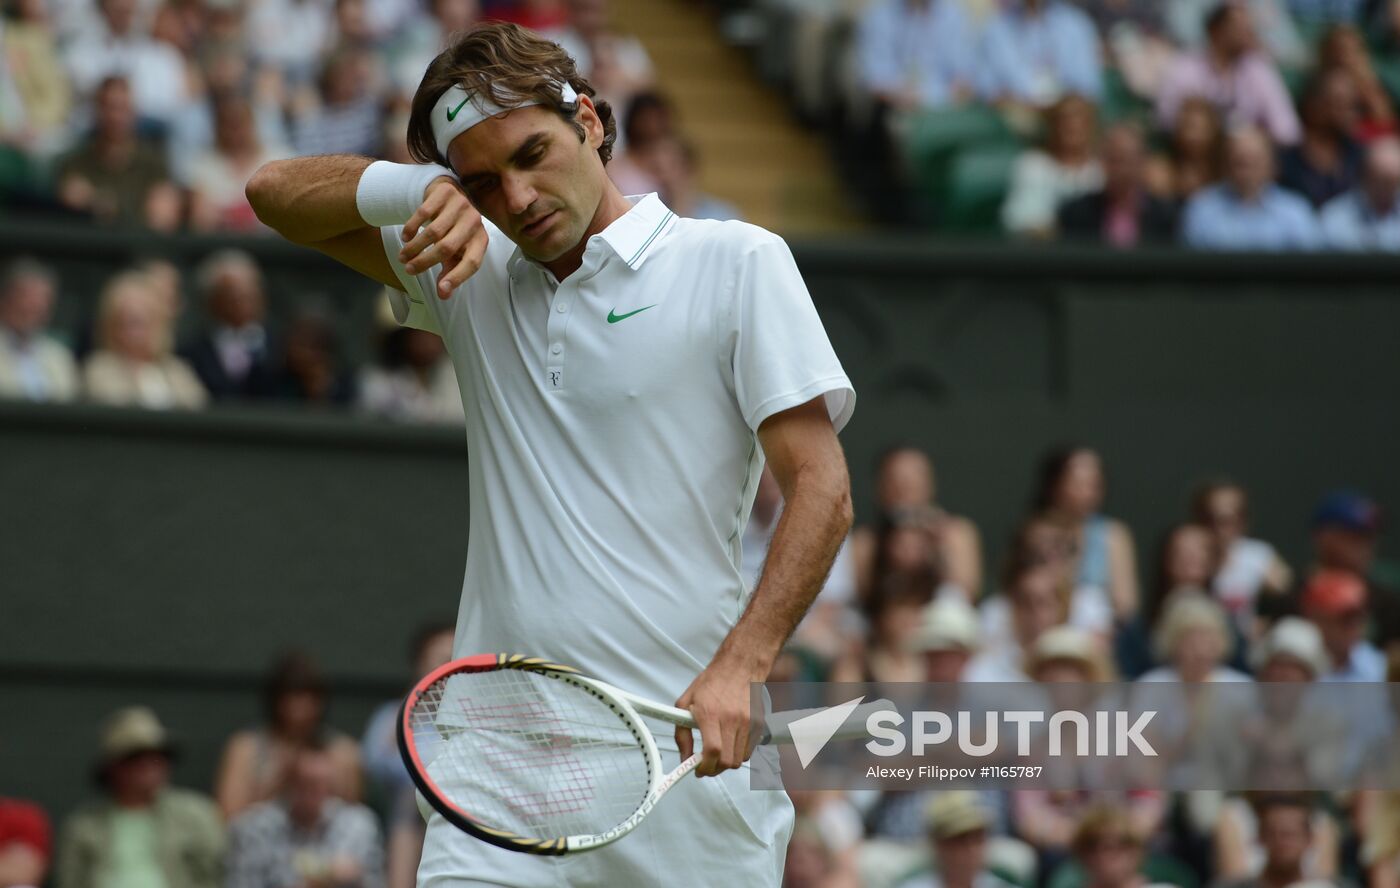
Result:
[{"x": 537, "y": 757}]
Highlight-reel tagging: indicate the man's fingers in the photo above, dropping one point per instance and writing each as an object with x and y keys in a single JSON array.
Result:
[
  {"x": 685, "y": 742},
  {"x": 432, "y": 206},
  {"x": 434, "y": 232},
  {"x": 473, "y": 253}
]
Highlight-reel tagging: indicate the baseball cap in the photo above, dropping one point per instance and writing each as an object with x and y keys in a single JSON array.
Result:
[
  {"x": 956, "y": 812},
  {"x": 949, "y": 624},
  {"x": 1332, "y": 592},
  {"x": 1349, "y": 510}
]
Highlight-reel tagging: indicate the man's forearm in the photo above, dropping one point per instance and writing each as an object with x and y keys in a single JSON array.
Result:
[
  {"x": 815, "y": 521},
  {"x": 309, "y": 199}
]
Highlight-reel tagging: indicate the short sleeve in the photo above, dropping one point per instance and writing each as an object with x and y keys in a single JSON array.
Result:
[
  {"x": 412, "y": 306},
  {"x": 781, "y": 357}
]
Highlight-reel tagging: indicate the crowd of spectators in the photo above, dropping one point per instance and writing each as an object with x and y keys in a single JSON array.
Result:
[
  {"x": 155, "y": 113},
  {"x": 296, "y": 802},
  {"x": 1159, "y": 122}
]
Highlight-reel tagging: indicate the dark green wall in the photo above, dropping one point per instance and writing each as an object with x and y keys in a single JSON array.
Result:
[{"x": 165, "y": 559}]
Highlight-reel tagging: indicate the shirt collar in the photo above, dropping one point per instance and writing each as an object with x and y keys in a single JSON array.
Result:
[{"x": 631, "y": 236}]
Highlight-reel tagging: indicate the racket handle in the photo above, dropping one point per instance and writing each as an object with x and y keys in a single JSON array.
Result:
[{"x": 778, "y": 724}]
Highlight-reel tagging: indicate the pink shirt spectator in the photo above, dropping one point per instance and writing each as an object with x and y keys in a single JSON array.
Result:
[{"x": 1250, "y": 92}]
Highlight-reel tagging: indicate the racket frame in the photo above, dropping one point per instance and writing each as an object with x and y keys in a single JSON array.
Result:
[{"x": 629, "y": 706}]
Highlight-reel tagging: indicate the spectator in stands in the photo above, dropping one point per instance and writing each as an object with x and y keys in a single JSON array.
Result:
[
  {"x": 312, "y": 369},
  {"x": 1135, "y": 35},
  {"x": 26, "y": 844},
  {"x": 1109, "y": 851},
  {"x": 674, "y": 164},
  {"x": 1189, "y": 559},
  {"x": 1034, "y": 601},
  {"x": 1250, "y": 567},
  {"x": 344, "y": 116},
  {"x": 1278, "y": 34},
  {"x": 1193, "y": 642},
  {"x": 1335, "y": 601},
  {"x": 1040, "y": 542},
  {"x": 38, "y": 119},
  {"x": 1069, "y": 493},
  {"x": 946, "y": 640},
  {"x": 913, "y": 54},
  {"x": 1123, "y": 213},
  {"x": 423, "y": 38},
  {"x": 1368, "y": 216},
  {"x": 163, "y": 279},
  {"x": 414, "y": 380},
  {"x": 1291, "y": 651},
  {"x": 895, "y": 649},
  {"x": 1248, "y": 211},
  {"x": 1068, "y": 167},
  {"x": 143, "y": 831},
  {"x": 1346, "y": 527},
  {"x": 1275, "y": 839},
  {"x": 826, "y": 841},
  {"x": 1192, "y": 160},
  {"x": 218, "y": 175},
  {"x": 257, "y": 763},
  {"x": 1343, "y": 48},
  {"x": 306, "y": 836},
  {"x": 33, "y": 365},
  {"x": 1380, "y": 851},
  {"x": 616, "y": 65},
  {"x": 432, "y": 647},
  {"x": 958, "y": 823},
  {"x": 121, "y": 47},
  {"x": 1035, "y": 52},
  {"x": 906, "y": 496},
  {"x": 1068, "y": 654},
  {"x": 132, "y": 365},
  {"x": 232, "y": 356},
  {"x": 1327, "y": 162},
  {"x": 289, "y": 36},
  {"x": 649, "y": 119},
  {"x": 1241, "y": 82},
  {"x": 114, "y": 174}
]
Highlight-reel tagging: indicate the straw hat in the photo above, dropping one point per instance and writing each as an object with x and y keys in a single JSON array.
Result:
[
  {"x": 949, "y": 624},
  {"x": 956, "y": 812},
  {"x": 130, "y": 732},
  {"x": 1073, "y": 644},
  {"x": 1295, "y": 638}
]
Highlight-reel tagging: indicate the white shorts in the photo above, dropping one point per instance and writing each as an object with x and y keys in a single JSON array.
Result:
[{"x": 705, "y": 832}]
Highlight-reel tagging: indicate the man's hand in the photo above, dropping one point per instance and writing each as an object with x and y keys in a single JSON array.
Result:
[
  {"x": 446, "y": 230},
  {"x": 719, "y": 700}
]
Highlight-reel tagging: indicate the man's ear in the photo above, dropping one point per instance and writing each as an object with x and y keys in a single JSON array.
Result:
[{"x": 592, "y": 124}]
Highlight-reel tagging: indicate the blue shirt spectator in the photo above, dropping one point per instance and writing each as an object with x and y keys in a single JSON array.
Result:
[
  {"x": 1248, "y": 211},
  {"x": 1036, "y": 51},
  {"x": 1368, "y": 217},
  {"x": 915, "y": 53}
]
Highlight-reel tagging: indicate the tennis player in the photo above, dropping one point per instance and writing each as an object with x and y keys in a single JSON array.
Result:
[{"x": 625, "y": 374}]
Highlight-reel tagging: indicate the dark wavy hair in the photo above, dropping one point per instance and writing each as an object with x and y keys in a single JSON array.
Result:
[{"x": 504, "y": 62}]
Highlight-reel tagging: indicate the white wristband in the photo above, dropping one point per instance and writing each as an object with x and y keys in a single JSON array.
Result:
[{"x": 389, "y": 193}]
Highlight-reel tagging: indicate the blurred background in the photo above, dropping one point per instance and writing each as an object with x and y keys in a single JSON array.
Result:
[{"x": 1115, "y": 279}]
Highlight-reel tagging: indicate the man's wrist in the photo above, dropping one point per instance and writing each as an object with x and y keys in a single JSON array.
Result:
[{"x": 389, "y": 193}]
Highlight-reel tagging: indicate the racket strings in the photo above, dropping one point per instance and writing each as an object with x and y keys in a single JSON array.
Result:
[{"x": 528, "y": 753}]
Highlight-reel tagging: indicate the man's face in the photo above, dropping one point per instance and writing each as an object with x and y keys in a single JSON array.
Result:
[
  {"x": 238, "y": 298},
  {"x": 1249, "y": 162},
  {"x": 528, "y": 172},
  {"x": 1340, "y": 631},
  {"x": 1112, "y": 860},
  {"x": 1234, "y": 36},
  {"x": 1122, "y": 161},
  {"x": 26, "y": 308},
  {"x": 1285, "y": 835},
  {"x": 115, "y": 113},
  {"x": 945, "y": 666},
  {"x": 119, "y": 15},
  {"x": 960, "y": 858},
  {"x": 141, "y": 775},
  {"x": 313, "y": 775},
  {"x": 1340, "y": 547}
]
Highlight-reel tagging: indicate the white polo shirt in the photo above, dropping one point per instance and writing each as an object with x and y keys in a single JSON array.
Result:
[{"x": 611, "y": 436}]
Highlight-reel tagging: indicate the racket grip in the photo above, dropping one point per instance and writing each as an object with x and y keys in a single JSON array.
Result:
[{"x": 777, "y": 727}]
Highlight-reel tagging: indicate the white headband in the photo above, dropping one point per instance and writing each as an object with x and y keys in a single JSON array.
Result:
[{"x": 457, "y": 111}]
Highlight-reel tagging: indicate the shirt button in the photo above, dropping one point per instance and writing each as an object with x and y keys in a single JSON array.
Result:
[
  {"x": 556, "y": 348},
  {"x": 562, "y": 308}
]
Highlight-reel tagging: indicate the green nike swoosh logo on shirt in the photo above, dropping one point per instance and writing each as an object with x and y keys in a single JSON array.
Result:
[
  {"x": 614, "y": 318},
  {"x": 452, "y": 112}
]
